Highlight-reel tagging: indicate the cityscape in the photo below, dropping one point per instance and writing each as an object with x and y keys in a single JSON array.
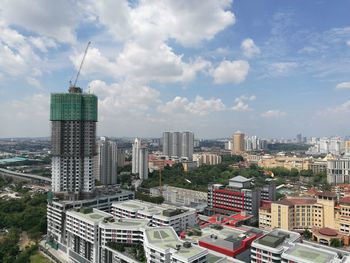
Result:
[{"x": 110, "y": 152}]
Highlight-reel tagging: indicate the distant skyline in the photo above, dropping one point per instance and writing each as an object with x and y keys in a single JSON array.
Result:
[{"x": 269, "y": 68}]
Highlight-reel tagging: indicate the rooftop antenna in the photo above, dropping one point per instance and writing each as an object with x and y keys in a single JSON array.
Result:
[{"x": 81, "y": 65}]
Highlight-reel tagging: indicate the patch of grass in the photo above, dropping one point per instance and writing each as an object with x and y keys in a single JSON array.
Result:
[{"x": 39, "y": 258}]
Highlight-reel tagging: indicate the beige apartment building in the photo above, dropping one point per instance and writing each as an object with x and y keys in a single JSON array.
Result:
[
  {"x": 326, "y": 216},
  {"x": 207, "y": 159}
]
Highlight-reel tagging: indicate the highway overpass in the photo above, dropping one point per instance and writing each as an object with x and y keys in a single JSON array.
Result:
[{"x": 25, "y": 177}]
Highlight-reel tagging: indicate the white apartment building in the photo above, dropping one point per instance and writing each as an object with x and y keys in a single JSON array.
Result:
[
  {"x": 139, "y": 159},
  {"x": 92, "y": 235},
  {"x": 159, "y": 215},
  {"x": 56, "y": 211}
]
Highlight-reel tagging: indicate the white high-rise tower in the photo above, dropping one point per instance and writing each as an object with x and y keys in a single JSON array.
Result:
[{"x": 139, "y": 159}]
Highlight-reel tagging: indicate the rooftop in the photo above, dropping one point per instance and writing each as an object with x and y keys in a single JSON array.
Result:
[
  {"x": 166, "y": 238},
  {"x": 327, "y": 194},
  {"x": 345, "y": 200},
  {"x": 240, "y": 179},
  {"x": 125, "y": 223},
  {"x": 304, "y": 253},
  {"x": 277, "y": 237},
  {"x": 163, "y": 210},
  {"x": 296, "y": 201},
  {"x": 94, "y": 216}
]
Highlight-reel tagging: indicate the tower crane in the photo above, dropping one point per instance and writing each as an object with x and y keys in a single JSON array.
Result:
[{"x": 81, "y": 65}]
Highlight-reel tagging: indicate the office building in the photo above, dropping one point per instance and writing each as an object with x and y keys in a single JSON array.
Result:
[
  {"x": 73, "y": 117},
  {"x": 107, "y": 161},
  {"x": 178, "y": 144},
  {"x": 159, "y": 215},
  {"x": 139, "y": 159},
  {"x": 238, "y": 146},
  {"x": 240, "y": 195}
]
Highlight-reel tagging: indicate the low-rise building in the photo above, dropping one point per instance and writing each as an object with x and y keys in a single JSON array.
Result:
[
  {"x": 300, "y": 213},
  {"x": 270, "y": 247},
  {"x": 282, "y": 246},
  {"x": 56, "y": 210},
  {"x": 93, "y": 236},
  {"x": 227, "y": 240},
  {"x": 159, "y": 215},
  {"x": 163, "y": 245},
  {"x": 180, "y": 196}
]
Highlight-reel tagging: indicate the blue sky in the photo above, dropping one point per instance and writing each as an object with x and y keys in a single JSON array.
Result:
[{"x": 269, "y": 67}]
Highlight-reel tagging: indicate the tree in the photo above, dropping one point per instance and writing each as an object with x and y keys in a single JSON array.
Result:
[
  {"x": 335, "y": 242},
  {"x": 307, "y": 234}
]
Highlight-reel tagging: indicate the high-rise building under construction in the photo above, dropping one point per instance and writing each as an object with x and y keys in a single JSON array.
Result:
[{"x": 73, "y": 117}]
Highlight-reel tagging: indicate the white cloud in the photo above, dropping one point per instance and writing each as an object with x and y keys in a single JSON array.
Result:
[
  {"x": 138, "y": 63},
  {"x": 145, "y": 29},
  {"x": 241, "y": 103},
  {"x": 43, "y": 43},
  {"x": 249, "y": 48},
  {"x": 230, "y": 72},
  {"x": 282, "y": 68},
  {"x": 348, "y": 43},
  {"x": 56, "y": 19},
  {"x": 123, "y": 99},
  {"x": 343, "y": 85},
  {"x": 188, "y": 22},
  {"x": 200, "y": 106},
  {"x": 273, "y": 114}
]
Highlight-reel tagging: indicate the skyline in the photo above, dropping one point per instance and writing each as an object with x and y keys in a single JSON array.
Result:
[{"x": 270, "y": 68}]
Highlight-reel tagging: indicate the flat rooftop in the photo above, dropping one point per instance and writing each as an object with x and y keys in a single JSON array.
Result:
[
  {"x": 99, "y": 194},
  {"x": 125, "y": 223},
  {"x": 310, "y": 254},
  {"x": 94, "y": 216},
  {"x": 166, "y": 238},
  {"x": 163, "y": 210},
  {"x": 277, "y": 237}
]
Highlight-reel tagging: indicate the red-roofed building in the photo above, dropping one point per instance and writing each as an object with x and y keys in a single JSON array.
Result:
[{"x": 229, "y": 241}]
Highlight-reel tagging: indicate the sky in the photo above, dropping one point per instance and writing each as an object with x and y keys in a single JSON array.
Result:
[{"x": 270, "y": 68}]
